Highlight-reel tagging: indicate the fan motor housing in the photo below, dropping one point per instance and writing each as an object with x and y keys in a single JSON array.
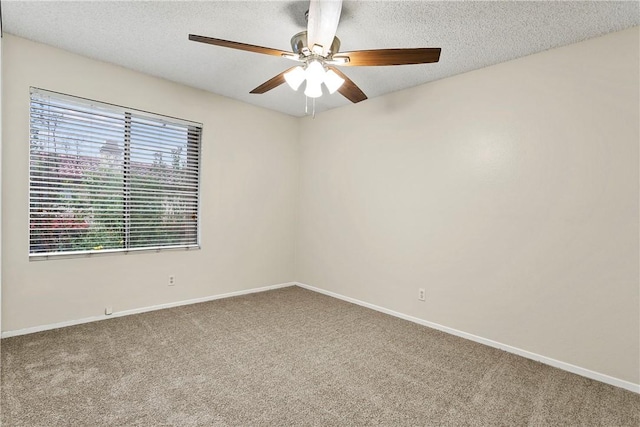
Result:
[{"x": 299, "y": 43}]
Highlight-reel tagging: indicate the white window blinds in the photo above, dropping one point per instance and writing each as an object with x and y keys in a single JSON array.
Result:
[{"x": 105, "y": 178}]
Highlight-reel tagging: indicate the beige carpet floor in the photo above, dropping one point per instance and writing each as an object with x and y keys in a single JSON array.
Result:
[{"x": 286, "y": 357}]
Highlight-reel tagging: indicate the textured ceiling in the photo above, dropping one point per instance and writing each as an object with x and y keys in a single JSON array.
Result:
[{"x": 151, "y": 36}]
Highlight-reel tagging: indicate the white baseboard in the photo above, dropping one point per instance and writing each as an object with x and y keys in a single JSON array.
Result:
[
  {"x": 524, "y": 353},
  {"x": 41, "y": 328}
]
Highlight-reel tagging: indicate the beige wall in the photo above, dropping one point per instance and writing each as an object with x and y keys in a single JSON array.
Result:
[
  {"x": 509, "y": 193},
  {"x": 249, "y": 171}
]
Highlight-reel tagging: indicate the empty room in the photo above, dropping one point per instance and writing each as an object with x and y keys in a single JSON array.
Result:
[{"x": 320, "y": 212}]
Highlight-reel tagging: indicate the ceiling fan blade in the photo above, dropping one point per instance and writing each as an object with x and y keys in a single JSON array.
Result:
[
  {"x": 349, "y": 89},
  {"x": 271, "y": 83},
  {"x": 239, "y": 46},
  {"x": 375, "y": 57},
  {"x": 322, "y": 25}
]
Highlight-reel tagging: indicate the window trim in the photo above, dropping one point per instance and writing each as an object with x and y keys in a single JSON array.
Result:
[{"x": 126, "y": 111}]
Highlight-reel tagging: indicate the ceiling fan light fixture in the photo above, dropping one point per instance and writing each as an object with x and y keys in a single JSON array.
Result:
[
  {"x": 313, "y": 89},
  {"x": 295, "y": 77},
  {"x": 333, "y": 81},
  {"x": 315, "y": 72}
]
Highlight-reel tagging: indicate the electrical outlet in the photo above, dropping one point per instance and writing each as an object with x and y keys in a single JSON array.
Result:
[
  {"x": 421, "y": 294},
  {"x": 172, "y": 280}
]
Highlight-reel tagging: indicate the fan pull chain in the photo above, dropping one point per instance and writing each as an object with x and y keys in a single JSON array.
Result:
[{"x": 313, "y": 107}]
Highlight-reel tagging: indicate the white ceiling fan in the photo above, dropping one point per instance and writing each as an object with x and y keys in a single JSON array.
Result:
[{"x": 317, "y": 49}]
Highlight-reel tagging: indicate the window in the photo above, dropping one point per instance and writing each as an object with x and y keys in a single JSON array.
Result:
[{"x": 109, "y": 179}]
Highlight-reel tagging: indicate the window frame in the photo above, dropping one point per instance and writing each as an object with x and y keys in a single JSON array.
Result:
[{"x": 127, "y": 114}]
